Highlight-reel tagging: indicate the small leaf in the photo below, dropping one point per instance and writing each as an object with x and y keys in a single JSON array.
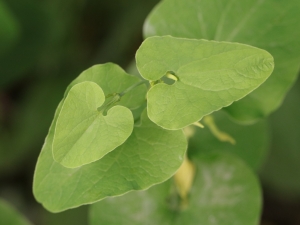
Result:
[
  {"x": 211, "y": 75},
  {"x": 269, "y": 24},
  {"x": 224, "y": 192},
  {"x": 82, "y": 133},
  {"x": 149, "y": 156},
  {"x": 9, "y": 216}
]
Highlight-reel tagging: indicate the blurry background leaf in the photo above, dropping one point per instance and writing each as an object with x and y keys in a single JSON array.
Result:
[
  {"x": 225, "y": 192},
  {"x": 281, "y": 173},
  {"x": 252, "y": 141},
  {"x": 9, "y": 216},
  {"x": 9, "y": 28},
  {"x": 33, "y": 36}
]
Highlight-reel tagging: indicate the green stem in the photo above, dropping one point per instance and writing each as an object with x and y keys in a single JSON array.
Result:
[
  {"x": 132, "y": 87},
  {"x": 116, "y": 97},
  {"x": 171, "y": 76},
  {"x": 222, "y": 136}
]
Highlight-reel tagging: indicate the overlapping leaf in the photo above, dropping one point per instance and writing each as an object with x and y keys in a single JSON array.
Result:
[
  {"x": 82, "y": 133},
  {"x": 211, "y": 75},
  {"x": 80, "y": 125},
  {"x": 149, "y": 156},
  {"x": 251, "y": 141},
  {"x": 272, "y": 25},
  {"x": 225, "y": 192}
]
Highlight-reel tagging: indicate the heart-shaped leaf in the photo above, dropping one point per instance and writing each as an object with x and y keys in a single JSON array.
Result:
[
  {"x": 149, "y": 156},
  {"x": 225, "y": 192},
  {"x": 210, "y": 74},
  {"x": 82, "y": 133},
  {"x": 270, "y": 24}
]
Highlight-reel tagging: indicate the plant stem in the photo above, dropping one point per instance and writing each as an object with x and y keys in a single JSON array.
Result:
[
  {"x": 222, "y": 136},
  {"x": 116, "y": 97},
  {"x": 171, "y": 76},
  {"x": 132, "y": 87}
]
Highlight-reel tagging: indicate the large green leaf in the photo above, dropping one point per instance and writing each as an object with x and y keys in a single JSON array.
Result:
[
  {"x": 269, "y": 24},
  {"x": 224, "y": 192},
  {"x": 149, "y": 156},
  {"x": 9, "y": 216},
  {"x": 211, "y": 75},
  {"x": 82, "y": 133},
  {"x": 251, "y": 141}
]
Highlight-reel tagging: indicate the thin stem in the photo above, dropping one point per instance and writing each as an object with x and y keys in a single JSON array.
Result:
[
  {"x": 132, "y": 87},
  {"x": 116, "y": 97},
  {"x": 198, "y": 124},
  {"x": 222, "y": 136},
  {"x": 172, "y": 76}
]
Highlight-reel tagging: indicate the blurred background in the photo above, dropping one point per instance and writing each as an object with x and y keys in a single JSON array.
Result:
[{"x": 45, "y": 44}]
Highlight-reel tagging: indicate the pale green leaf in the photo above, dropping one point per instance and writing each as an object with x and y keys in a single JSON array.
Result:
[
  {"x": 113, "y": 79},
  {"x": 149, "y": 156},
  {"x": 211, "y": 75},
  {"x": 82, "y": 133},
  {"x": 269, "y": 24},
  {"x": 251, "y": 141},
  {"x": 225, "y": 192},
  {"x": 9, "y": 216}
]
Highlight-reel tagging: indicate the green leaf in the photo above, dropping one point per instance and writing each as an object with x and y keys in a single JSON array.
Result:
[
  {"x": 211, "y": 75},
  {"x": 149, "y": 156},
  {"x": 82, "y": 133},
  {"x": 270, "y": 24},
  {"x": 113, "y": 79},
  {"x": 225, "y": 192},
  {"x": 252, "y": 141},
  {"x": 9, "y": 216}
]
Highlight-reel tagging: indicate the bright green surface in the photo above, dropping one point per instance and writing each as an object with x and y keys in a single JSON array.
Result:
[
  {"x": 211, "y": 75},
  {"x": 225, "y": 192},
  {"x": 9, "y": 216},
  {"x": 270, "y": 24},
  {"x": 82, "y": 133},
  {"x": 149, "y": 156},
  {"x": 252, "y": 141}
]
